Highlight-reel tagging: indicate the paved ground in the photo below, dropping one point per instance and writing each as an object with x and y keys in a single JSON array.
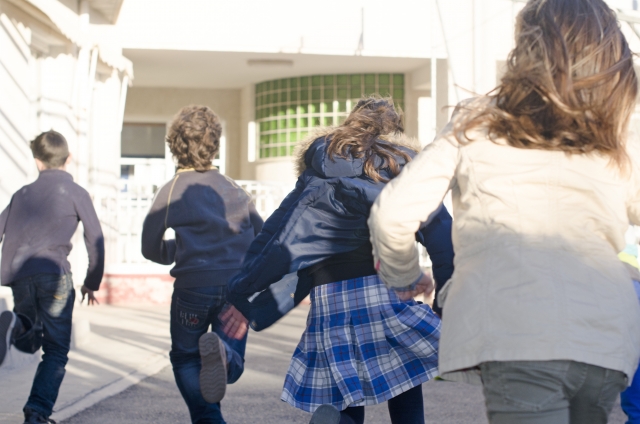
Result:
[
  {"x": 255, "y": 398},
  {"x": 123, "y": 346}
]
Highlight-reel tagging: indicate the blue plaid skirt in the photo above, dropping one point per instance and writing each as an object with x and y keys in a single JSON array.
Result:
[{"x": 362, "y": 346}]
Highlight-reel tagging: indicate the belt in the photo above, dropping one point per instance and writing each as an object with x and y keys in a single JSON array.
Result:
[{"x": 331, "y": 273}]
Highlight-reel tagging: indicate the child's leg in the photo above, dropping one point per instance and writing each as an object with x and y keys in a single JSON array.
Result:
[
  {"x": 29, "y": 335},
  {"x": 407, "y": 407},
  {"x": 235, "y": 352},
  {"x": 191, "y": 312},
  {"x": 54, "y": 299},
  {"x": 353, "y": 415}
]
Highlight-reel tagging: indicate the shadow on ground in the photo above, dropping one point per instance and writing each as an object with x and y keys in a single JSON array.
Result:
[{"x": 256, "y": 396}]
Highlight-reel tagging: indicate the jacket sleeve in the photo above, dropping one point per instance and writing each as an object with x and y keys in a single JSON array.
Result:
[
  {"x": 436, "y": 237},
  {"x": 406, "y": 202},
  {"x": 242, "y": 285},
  {"x": 154, "y": 246},
  {"x": 93, "y": 240}
]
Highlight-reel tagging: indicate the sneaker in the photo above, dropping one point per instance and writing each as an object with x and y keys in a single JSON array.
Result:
[
  {"x": 34, "y": 417},
  {"x": 326, "y": 414},
  {"x": 7, "y": 322},
  {"x": 213, "y": 374}
]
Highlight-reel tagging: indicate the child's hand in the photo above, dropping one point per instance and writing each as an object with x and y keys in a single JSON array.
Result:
[
  {"x": 91, "y": 298},
  {"x": 234, "y": 324},
  {"x": 425, "y": 285}
]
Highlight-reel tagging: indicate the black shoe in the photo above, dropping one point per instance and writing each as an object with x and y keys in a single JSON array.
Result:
[
  {"x": 213, "y": 374},
  {"x": 34, "y": 417},
  {"x": 326, "y": 414},
  {"x": 7, "y": 323}
]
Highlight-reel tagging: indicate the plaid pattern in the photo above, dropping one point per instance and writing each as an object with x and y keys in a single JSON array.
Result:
[{"x": 362, "y": 346}]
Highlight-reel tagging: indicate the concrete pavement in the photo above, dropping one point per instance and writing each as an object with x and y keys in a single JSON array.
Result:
[
  {"x": 256, "y": 396},
  {"x": 120, "y": 373},
  {"x": 113, "y": 348}
]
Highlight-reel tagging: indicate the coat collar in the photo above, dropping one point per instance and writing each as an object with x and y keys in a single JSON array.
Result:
[{"x": 311, "y": 153}]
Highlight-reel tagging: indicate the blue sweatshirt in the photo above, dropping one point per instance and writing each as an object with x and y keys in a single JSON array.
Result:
[
  {"x": 37, "y": 227},
  {"x": 214, "y": 220}
]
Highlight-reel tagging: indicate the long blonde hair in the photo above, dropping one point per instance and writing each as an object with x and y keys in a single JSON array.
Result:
[{"x": 570, "y": 83}]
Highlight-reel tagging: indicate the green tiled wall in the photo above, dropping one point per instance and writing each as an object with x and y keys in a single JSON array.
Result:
[{"x": 287, "y": 109}]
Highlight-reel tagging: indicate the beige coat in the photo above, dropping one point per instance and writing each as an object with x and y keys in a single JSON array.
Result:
[{"x": 536, "y": 235}]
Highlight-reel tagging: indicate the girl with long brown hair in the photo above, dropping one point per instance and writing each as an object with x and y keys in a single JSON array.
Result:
[
  {"x": 363, "y": 344},
  {"x": 544, "y": 181}
]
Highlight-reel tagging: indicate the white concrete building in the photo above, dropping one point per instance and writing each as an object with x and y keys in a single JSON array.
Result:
[
  {"x": 61, "y": 67},
  {"x": 272, "y": 70}
]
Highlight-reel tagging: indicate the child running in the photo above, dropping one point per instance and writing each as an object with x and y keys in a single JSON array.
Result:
[
  {"x": 364, "y": 344},
  {"x": 545, "y": 182},
  {"x": 214, "y": 222},
  {"x": 37, "y": 226}
]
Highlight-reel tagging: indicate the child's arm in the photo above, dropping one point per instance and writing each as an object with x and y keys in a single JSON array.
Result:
[
  {"x": 406, "y": 202},
  {"x": 436, "y": 237},
  {"x": 93, "y": 240},
  {"x": 154, "y": 247}
]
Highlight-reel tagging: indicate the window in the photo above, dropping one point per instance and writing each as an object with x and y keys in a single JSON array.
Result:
[
  {"x": 287, "y": 109},
  {"x": 143, "y": 140}
]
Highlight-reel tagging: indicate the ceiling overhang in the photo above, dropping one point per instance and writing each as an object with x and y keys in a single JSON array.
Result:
[
  {"x": 110, "y": 9},
  {"x": 214, "y": 70}
]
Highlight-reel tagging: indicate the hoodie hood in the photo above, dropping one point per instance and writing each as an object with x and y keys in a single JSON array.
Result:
[{"x": 312, "y": 153}]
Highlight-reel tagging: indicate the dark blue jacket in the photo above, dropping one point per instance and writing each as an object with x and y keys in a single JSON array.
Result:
[
  {"x": 325, "y": 215},
  {"x": 214, "y": 221}
]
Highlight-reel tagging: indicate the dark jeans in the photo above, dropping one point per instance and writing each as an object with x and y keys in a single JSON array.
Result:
[
  {"x": 193, "y": 310},
  {"x": 406, "y": 408},
  {"x": 44, "y": 305}
]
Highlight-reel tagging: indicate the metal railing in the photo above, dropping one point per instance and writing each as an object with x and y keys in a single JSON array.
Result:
[
  {"x": 122, "y": 216},
  {"x": 127, "y": 213}
]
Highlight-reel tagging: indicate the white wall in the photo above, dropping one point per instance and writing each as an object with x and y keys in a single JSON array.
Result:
[
  {"x": 395, "y": 28},
  {"x": 16, "y": 111},
  {"x": 48, "y": 82},
  {"x": 155, "y": 105},
  {"x": 475, "y": 34}
]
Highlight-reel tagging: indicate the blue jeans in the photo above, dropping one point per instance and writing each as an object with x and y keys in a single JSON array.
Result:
[
  {"x": 44, "y": 305},
  {"x": 193, "y": 310},
  {"x": 630, "y": 398}
]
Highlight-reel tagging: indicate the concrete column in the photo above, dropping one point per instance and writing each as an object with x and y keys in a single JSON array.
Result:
[
  {"x": 248, "y": 133},
  {"x": 419, "y": 121},
  {"x": 440, "y": 95}
]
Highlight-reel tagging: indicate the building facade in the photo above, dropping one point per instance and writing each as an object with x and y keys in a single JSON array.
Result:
[
  {"x": 62, "y": 68},
  {"x": 274, "y": 72}
]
